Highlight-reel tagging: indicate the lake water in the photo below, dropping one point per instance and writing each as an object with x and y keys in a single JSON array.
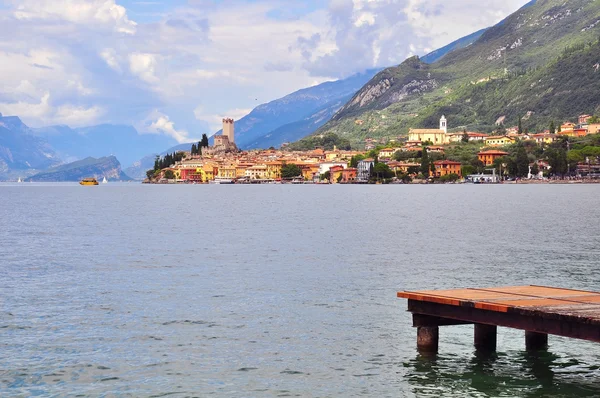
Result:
[{"x": 281, "y": 290}]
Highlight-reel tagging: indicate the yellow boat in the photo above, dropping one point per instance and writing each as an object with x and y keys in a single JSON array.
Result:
[{"x": 88, "y": 181}]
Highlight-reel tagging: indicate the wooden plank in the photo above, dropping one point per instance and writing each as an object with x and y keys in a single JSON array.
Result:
[{"x": 565, "y": 324}]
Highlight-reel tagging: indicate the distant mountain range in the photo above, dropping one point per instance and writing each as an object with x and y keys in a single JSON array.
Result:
[
  {"x": 21, "y": 150},
  {"x": 108, "y": 167},
  {"x": 122, "y": 141},
  {"x": 540, "y": 63}
]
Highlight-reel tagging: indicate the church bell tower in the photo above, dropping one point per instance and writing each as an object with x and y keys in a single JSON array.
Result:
[{"x": 444, "y": 124}]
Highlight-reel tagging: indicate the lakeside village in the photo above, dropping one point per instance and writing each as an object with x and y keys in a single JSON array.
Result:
[{"x": 567, "y": 152}]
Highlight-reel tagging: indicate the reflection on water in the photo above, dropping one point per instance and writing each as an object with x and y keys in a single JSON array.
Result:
[{"x": 508, "y": 374}]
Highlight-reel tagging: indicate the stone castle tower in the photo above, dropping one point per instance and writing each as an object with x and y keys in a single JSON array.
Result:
[
  {"x": 228, "y": 130},
  {"x": 444, "y": 124}
]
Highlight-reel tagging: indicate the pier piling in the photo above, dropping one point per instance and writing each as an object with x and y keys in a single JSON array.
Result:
[
  {"x": 485, "y": 337},
  {"x": 536, "y": 341},
  {"x": 428, "y": 338}
]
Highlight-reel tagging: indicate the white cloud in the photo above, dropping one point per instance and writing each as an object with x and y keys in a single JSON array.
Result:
[
  {"x": 143, "y": 66},
  {"x": 109, "y": 55},
  {"x": 83, "y": 12},
  {"x": 43, "y": 111},
  {"x": 161, "y": 124}
]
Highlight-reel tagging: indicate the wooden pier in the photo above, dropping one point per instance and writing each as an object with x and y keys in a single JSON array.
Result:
[{"x": 538, "y": 310}]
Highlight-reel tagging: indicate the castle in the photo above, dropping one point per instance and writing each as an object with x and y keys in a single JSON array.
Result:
[
  {"x": 436, "y": 136},
  {"x": 226, "y": 141}
]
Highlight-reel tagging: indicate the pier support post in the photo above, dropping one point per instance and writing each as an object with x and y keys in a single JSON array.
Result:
[
  {"x": 485, "y": 337},
  {"x": 535, "y": 341},
  {"x": 428, "y": 338}
]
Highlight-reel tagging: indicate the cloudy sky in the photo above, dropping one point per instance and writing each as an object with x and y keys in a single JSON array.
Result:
[{"x": 177, "y": 67}]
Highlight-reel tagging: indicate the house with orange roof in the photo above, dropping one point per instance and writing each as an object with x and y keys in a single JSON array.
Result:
[
  {"x": 387, "y": 153},
  {"x": 447, "y": 167},
  {"x": 488, "y": 157}
]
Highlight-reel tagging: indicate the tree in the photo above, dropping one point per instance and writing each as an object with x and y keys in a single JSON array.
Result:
[
  {"x": 465, "y": 137},
  {"x": 425, "y": 163},
  {"x": 355, "y": 159},
  {"x": 535, "y": 169},
  {"x": 382, "y": 171},
  {"x": 594, "y": 120},
  {"x": 552, "y": 128},
  {"x": 150, "y": 174},
  {"x": 557, "y": 160},
  {"x": 169, "y": 175},
  {"x": 522, "y": 161},
  {"x": 157, "y": 163},
  {"x": 325, "y": 176},
  {"x": 559, "y": 129},
  {"x": 204, "y": 142},
  {"x": 290, "y": 171},
  {"x": 194, "y": 149},
  {"x": 520, "y": 128}
]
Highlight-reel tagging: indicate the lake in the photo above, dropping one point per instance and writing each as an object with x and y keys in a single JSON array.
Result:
[{"x": 281, "y": 290}]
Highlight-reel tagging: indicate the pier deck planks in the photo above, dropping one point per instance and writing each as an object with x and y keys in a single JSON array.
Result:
[{"x": 542, "y": 309}]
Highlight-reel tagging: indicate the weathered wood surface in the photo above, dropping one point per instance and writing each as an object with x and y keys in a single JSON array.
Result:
[{"x": 564, "y": 312}]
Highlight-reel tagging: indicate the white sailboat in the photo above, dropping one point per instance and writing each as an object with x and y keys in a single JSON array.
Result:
[
  {"x": 19, "y": 180},
  {"x": 104, "y": 181}
]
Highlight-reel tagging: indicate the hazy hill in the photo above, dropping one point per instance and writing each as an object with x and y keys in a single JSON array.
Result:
[
  {"x": 20, "y": 150},
  {"x": 108, "y": 167},
  {"x": 542, "y": 59},
  {"x": 122, "y": 141}
]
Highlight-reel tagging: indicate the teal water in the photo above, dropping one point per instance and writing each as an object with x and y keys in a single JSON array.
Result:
[{"x": 283, "y": 290}]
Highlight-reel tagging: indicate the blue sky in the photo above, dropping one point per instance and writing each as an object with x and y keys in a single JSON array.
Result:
[{"x": 177, "y": 67}]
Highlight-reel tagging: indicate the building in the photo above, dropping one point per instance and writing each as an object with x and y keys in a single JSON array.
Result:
[
  {"x": 224, "y": 141},
  {"x": 324, "y": 167},
  {"x": 258, "y": 172},
  {"x": 387, "y": 153},
  {"x": 488, "y": 157},
  {"x": 364, "y": 169},
  {"x": 458, "y": 137},
  {"x": 447, "y": 167},
  {"x": 544, "y": 138},
  {"x": 499, "y": 140},
  {"x": 228, "y": 130},
  {"x": 349, "y": 174},
  {"x": 593, "y": 128},
  {"x": 435, "y": 136},
  {"x": 567, "y": 126},
  {"x": 583, "y": 119},
  {"x": 405, "y": 168},
  {"x": 335, "y": 174}
]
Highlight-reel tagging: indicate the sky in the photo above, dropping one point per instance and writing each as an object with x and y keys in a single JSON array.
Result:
[{"x": 178, "y": 67}]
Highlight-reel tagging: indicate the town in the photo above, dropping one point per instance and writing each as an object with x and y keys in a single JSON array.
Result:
[{"x": 565, "y": 152}]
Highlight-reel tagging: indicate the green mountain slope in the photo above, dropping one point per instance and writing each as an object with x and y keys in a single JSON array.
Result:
[{"x": 541, "y": 63}]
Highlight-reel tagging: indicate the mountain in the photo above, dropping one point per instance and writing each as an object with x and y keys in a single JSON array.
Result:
[
  {"x": 300, "y": 105},
  {"x": 120, "y": 140},
  {"x": 540, "y": 63},
  {"x": 21, "y": 150},
  {"x": 108, "y": 167},
  {"x": 463, "y": 42}
]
